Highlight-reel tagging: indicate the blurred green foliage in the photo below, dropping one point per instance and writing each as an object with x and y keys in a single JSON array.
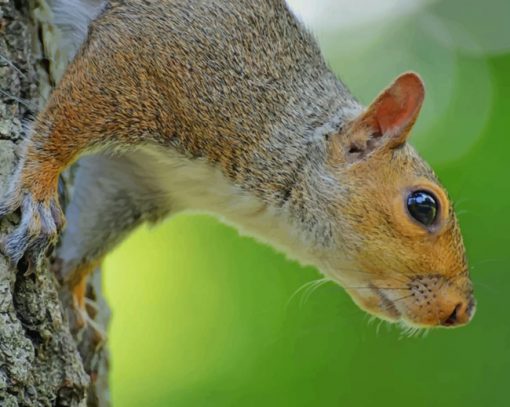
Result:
[{"x": 203, "y": 317}]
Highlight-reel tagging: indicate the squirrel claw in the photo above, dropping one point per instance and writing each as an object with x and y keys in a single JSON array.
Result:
[
  {"x": 82, "y": 323},
  {"x": 38, "y": 229}
]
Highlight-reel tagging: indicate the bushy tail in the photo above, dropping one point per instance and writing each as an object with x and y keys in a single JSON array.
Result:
[{"x": 73, "y": 18}]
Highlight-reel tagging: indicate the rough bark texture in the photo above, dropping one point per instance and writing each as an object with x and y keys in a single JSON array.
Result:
[{"x": 41, "y": 362}]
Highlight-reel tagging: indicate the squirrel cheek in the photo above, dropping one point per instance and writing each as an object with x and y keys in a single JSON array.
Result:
[{"x": 374, "y": 304}]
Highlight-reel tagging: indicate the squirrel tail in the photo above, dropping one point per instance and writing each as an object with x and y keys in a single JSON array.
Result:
[{"x": 73, "y": 17}]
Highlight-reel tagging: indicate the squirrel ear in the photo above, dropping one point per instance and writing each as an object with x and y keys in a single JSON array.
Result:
[
  {"x": 386, "y": 123},
  {"x": 394, "y": 112}
]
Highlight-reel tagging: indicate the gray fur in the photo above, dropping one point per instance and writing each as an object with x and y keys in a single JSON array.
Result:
[
  {"x": 121, "y": 188},
  {"x": 272, "y": 131},
  {"x": 73, "y": 17},
  {"x": 237, "y": 113}
]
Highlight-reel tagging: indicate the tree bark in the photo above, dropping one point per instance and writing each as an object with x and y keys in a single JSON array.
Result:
[{"x": 42, "y": 363}]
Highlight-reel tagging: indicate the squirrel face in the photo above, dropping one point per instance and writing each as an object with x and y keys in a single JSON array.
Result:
[{"x": 404, "y": 259}]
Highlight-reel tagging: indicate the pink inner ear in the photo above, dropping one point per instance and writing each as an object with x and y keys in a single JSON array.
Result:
[{"x": 396, "y": 109}]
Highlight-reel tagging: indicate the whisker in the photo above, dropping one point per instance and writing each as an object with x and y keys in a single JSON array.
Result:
[
  {"x": 402, "y": 298},
  {"x": 486, "y": 261},
  {"x": 376, "y": 287},
  {"x": 480, "y": 286},
  {"x": 371, "y": 319},
  {"x": 311, "y": 289},
  {"x": 393, "y": 278},
  {"x": 378, "y": 328},
  {"x": 307, "y": 289},
  {"x": 409, "y": 331},
  {"x": 425, "y": 332},
  {"x": 458, "y": 203},
  {"x": 406, "y": 277}
]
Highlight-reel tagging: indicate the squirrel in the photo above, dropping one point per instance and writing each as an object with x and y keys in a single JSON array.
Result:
[{"x": 228, "y": 107}]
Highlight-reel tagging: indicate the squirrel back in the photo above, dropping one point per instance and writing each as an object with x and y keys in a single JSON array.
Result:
[{"x": 186, "y": 60}]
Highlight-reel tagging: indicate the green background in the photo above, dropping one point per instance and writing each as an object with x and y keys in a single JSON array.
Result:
[{"x": 204, "y": 317}]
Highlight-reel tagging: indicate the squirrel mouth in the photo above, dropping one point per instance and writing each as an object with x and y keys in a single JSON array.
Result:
[{"x": 387, "y": 306}]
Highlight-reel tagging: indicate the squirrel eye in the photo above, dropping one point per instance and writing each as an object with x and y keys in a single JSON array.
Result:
[{"x": 423, "y": 207}]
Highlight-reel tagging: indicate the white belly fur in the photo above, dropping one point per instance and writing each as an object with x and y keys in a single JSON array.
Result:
[{"x": 194, "y": 185}]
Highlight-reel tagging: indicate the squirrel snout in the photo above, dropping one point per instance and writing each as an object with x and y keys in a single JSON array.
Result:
[
  {"x": 462, "y": 313},
  {"x": 430, "y": 301},
  {"x": 437, "y": 300}
]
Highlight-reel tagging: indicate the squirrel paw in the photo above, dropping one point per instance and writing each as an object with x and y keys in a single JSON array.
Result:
[
  {"x": 81, "y": 321},
  {"x": 41, "y": 221}
]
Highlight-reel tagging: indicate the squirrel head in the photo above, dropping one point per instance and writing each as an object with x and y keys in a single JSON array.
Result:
[{"x": 404, "y": 258}]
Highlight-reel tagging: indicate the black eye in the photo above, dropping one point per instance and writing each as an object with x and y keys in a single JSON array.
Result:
[{"x": 423, "y": 207}]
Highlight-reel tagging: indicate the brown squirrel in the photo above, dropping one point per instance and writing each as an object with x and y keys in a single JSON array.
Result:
[{"x": 227, "y": 106}]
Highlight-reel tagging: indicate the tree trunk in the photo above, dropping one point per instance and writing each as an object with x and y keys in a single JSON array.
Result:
[{"x": 41, "y": 362}]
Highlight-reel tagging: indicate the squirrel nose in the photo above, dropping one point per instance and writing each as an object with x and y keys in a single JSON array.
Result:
[{"x": 461, "y": 314}]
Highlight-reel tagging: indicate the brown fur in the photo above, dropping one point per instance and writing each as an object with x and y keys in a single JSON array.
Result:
[{"x": 243, "y": 87}]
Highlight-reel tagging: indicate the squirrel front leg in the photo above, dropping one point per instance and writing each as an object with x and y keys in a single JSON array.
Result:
[
  {"x": 33, "y": 190},
  {"x": 92, "y": 108}
]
